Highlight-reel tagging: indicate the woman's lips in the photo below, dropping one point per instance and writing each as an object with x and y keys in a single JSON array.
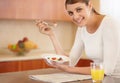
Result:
[{"x": 78, "y": 21}]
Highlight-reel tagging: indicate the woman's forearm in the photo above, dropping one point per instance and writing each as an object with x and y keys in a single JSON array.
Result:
[
  {"x": 57, "y": 46},
  {"x": 81, "y": 70}
]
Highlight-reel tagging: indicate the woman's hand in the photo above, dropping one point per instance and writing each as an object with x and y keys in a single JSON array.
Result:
[
  {"x": 63, "y": 67},
  {"x": 44, "y": 28}
]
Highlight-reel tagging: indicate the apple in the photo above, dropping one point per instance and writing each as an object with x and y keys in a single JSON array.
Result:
[{"x": 25, "y": 39}]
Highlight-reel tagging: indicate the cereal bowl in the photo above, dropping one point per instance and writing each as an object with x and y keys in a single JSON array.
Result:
[{"x": 56, "y": 58}]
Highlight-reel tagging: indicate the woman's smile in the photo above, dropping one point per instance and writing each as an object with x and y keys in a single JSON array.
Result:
[{"x": 79, "y": 21}]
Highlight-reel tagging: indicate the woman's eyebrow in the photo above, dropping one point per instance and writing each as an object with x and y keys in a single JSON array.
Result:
[
  {"x": 78, "y": 7},
  {"x": 69, "y": 11}
]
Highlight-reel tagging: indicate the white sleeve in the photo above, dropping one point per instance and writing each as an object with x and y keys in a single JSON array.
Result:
[
  {"x": 77, "y": 49},
  {"x": 110, "y": 47}
]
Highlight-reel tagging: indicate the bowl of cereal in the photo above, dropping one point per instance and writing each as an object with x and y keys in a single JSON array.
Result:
[{"x": 56, "y": 58}]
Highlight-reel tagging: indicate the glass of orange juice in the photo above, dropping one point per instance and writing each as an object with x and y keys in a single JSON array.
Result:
[{"x": 97, "y": 72}]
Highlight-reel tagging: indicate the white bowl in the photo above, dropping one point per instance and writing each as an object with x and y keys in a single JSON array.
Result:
[{"x": 54, "y": 57}]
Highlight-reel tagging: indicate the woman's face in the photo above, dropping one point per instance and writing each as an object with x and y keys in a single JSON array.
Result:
[{"x": 79, "y": 13}]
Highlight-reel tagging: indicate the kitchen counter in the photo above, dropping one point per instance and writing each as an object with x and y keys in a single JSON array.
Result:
[
  {"x": 4, "y": 58},
  {"x": 22, "y": 77},
  {"x": 9, "y": 62},
  {"x": 6, "y": 55}
]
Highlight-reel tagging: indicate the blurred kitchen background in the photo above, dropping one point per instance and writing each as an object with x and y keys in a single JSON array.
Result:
[{"x": 17, "y": 20}]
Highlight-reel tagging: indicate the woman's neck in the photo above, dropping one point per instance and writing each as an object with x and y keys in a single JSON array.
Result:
[{"x": 94, "y": 22}]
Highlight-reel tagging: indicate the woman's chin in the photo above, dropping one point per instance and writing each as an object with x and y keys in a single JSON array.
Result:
[{"x": 80, "y": 25}]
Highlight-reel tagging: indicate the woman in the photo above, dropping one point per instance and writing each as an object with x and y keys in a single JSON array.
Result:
[{"x": 96, "y": 34}]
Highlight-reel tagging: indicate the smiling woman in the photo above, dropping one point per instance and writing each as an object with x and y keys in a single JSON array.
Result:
[{"x": 97, "y": 34}]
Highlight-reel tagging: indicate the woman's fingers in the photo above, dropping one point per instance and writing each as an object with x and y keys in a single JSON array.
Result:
[
  {"x": 39, "y": 22},
  {"x": 43, "y": 26}
]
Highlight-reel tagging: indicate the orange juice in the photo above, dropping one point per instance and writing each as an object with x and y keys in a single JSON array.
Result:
[{"x": 97, "y": 74}]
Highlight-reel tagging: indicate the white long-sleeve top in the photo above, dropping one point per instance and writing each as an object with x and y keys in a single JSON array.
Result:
[{"x": 100, "y": 46}]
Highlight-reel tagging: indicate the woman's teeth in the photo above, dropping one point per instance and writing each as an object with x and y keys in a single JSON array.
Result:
[{"x": 80, "y": 19}]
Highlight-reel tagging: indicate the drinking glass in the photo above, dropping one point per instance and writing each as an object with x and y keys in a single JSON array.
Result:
[{"x": 97, "y": 72}]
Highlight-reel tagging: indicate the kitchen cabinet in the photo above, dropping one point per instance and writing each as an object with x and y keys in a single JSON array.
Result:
[
  {"x": 33, "y": 64},
  {"x": 33, "y": 9},
  {"x": 13, "y": 66},
  {"x": 9, "y": 66},
  {"x": 84, "y": 63}
]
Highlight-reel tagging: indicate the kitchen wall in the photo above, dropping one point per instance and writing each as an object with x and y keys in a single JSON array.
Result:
[
  {"x": 110, "y": 7},
  {"x": 13, "y": 30},
  {"x": 96, "y": 4}
]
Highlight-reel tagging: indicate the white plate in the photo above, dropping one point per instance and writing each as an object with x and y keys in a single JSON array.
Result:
[{"x": 55, "y": 57}]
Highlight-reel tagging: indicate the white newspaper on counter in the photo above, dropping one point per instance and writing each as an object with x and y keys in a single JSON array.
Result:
[{"x": 60, "y": 77}]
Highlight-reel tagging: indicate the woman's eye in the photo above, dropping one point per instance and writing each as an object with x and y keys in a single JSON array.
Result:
[
  {"x": 70, "y": 13},
  {"x": 78, "y": 10}
]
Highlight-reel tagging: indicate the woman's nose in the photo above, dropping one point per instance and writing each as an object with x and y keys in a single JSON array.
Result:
[{"x": 76, "y": 16}]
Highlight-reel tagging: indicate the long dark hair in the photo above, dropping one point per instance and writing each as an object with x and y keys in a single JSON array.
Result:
[{"x": 82, "y": 1}]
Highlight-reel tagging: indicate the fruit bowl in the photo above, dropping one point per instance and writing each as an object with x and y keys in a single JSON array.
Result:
[{"x": 22, "y": 46}]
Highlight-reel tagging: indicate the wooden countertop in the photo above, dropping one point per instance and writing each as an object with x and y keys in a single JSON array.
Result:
[{"x": 22, "y": 77}]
